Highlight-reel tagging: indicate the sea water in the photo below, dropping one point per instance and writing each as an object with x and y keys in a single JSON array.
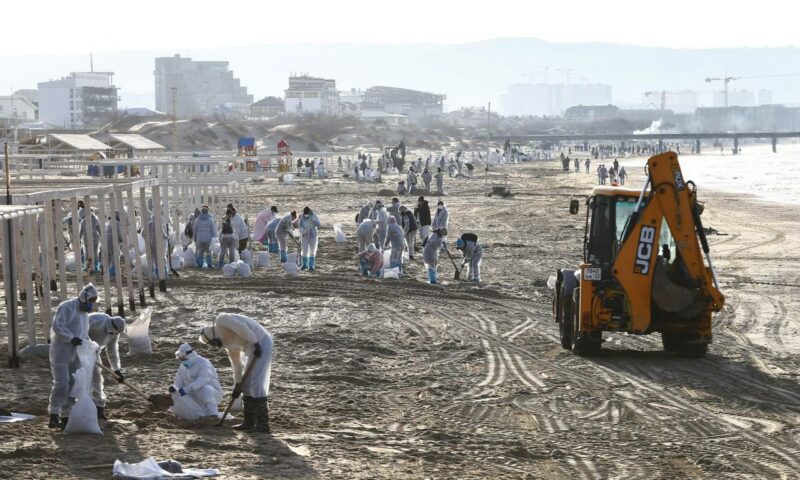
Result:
[{"x": 757, "y": 171}]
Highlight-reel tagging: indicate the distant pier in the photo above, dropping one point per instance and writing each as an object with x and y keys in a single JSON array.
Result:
[{"x": 660, "y": 137}]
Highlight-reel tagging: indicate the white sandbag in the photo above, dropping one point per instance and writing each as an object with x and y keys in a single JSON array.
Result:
[
  {"x": 138, "y": 334},
  {"x": 186, "y": 407},
  {"x": 83, "y": 416},
  {"x": 145, "y": 266},
  {"x": 387, "y": 254},
  {"x": 263, "y": 260},
  {"x": 176, "y": 259},
  {"x": 243, "y": 270},
  {"x": 41, "y": 351},
  {"x": 551, "y": 282},
  {"x": 215, "y": 247},
  {"x": 291, "y": 269},
  {"x": 190, "y": 258},
  {"x": 69, "y": 261},
  {"x": 391, "y": 273},
  {"x": 247, "y": 257},
  {"x": 287, "y": 179},
  {"x": 293, "y": 258},
  {"x": 229, "y": 270},
  {"x": 338, "y": 233}
]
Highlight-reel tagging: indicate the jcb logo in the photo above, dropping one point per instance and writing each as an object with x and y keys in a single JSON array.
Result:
[
  {"x": 644, "y": 250},
  {"x": 676, "y": 174}
]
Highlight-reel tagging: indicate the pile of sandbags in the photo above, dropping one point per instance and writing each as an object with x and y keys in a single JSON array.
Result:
[{"x": 237, "y": 269}]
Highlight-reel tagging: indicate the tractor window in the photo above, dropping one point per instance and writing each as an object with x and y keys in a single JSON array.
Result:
[
  {"x": 666, "y": 243},
  {"x": 624, "y": 209},
  {"x": 600, "y": 242}
]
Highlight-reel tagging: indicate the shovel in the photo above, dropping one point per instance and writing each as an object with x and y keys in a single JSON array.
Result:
[
  {"x": 250, "y": 363},
  {"x": 457, "y": 275},
  {"x": 134, "y": 389}
]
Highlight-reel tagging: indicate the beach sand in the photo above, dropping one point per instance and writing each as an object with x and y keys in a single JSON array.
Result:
[{"x": 400, "y": 379}]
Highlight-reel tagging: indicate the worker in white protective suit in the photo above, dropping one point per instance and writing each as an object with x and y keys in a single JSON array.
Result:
[
  {"x": 264, "y": 217},
  {"x": 243, "y": 336},
  {"x": 197, "y": 378},
  {"x": 70, "y": 329},
  {"x": 366, "y": 233},
  {"x": 308, "y": 223},
  {"x": 473, "y": 254},
  {"x": 396, "y": 240},
  {"x": 282, "y": 233},
  {"x": 105, "y": 330}
]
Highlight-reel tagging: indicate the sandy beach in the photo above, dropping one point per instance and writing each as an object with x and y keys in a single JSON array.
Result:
[{"x": 401, "y": 379}]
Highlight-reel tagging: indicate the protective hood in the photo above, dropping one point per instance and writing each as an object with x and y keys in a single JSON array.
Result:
[
  {"x": 392, "y": 221},
  {"x": 118, "y": 324},
  {"x": 88, "y": 292}
]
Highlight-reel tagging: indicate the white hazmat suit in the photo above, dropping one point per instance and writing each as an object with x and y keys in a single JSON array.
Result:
[
  {"x": 244, "y": 337},
  {"x": 70, "y": 329},
  {"x": 196, "y": 378}
]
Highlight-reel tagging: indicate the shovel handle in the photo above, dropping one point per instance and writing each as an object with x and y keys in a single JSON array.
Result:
[
  {"x": 251, "y": 362},
  {"x": 139, "y": 392}
]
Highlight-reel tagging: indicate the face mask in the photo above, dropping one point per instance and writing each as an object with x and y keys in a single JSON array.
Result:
[
  {"x": 89, "y": 307},
  {"x": 186, "y": 363},
  {"x": 305, "y": 215}
]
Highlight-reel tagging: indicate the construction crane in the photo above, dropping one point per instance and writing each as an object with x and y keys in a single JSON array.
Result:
[{"x": 728, "y": 79}]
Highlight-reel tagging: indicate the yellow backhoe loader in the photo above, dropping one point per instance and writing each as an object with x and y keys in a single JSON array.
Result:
[{"x": 643, "y": 269}]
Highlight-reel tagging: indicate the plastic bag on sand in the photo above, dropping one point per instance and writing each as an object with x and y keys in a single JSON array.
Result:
[
  {"x": 176, "y": 259},
  {"x": 263, "y": 260},
  {"x": 189, "y": 257},
  {"x": 41, "y": 351},
  {"x": 150, "y": 470},
  {"x": 138, "y": 334},
  {"x": 145, "y": 266},
  {"x": 391, "y": 273},
  {"x": 243, "y": 269},
  {"x": 247, "y": 257},
  {"x": 186, "y": 407},
  {"x": 83, "y": 417},
  {"x": 338, "y": 233},
  {"x": 293, "y": 258},
  {"x": 551, "y": 282},
  {"x": 291, "y": 269},
  {"x": 229, "y": 270},
  {"x": 69, "y": 261}
]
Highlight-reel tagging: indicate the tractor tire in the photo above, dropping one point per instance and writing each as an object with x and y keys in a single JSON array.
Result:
[
  {"x": 583, "y": 344},
  {"x": 683, "y": 344},
  {"x": 565, "y": 321}
]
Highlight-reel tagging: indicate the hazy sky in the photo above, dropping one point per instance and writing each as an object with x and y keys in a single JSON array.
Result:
[{"x": 59, "y": 27}]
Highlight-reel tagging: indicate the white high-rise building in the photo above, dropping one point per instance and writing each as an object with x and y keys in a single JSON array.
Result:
[
  {"x": 81, "y": 100},
  {"x": 736, "y": 98},
  {"x": 765, "y": 97},
  {"x": 552, "y": 99},
  {"x": 312, "y": 95},
  {"x": 198, "y": 87}
]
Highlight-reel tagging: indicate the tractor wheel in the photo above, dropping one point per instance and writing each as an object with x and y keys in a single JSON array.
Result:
[
  {"x": 683, "y": 344},
  {"x": 583, "y": 344},
  {"x": 565, "y": 322}
]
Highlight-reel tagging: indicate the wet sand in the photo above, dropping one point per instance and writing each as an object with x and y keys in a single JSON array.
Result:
[{"x": 400, "y": 379}]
